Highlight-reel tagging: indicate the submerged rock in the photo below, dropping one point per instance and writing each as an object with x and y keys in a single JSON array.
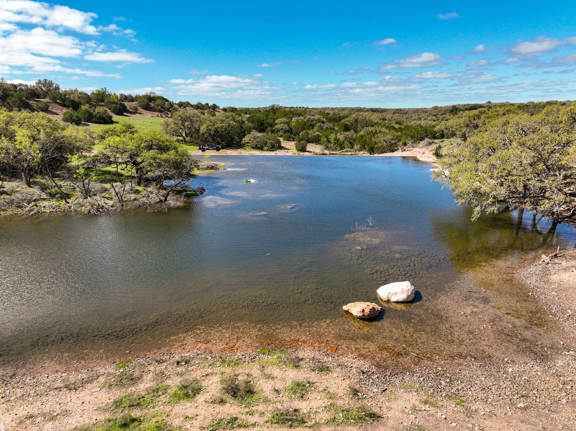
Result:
[
  {"x": 401, "y": 291},
  {"x": 363, "y": 310}
]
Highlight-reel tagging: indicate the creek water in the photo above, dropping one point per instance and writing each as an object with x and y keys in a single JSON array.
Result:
[{"x": 277, "y": 257}]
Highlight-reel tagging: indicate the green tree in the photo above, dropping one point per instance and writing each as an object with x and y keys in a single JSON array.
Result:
[
  {"x": 262, "y": 141},
  {"x": 184, "y": 125},
  {"x": 226, "y": 130},
  {"x": 169, "y": 170},
  {"x": 520, "y": 161}
]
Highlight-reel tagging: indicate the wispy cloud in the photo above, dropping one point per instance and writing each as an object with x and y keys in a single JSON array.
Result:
[
  {"x": 426, "y": 59},
  {"x": 480, "y": 48},
  {"x": 448, "y": 16},
  {"x": 224, "y": 86},
  {"x": 385, "y": 42},
  {"x": 118, "y": 57},
  {"x": 538, "y": 46},
  {"x": 433, "y": 75},
  {"x": 144, "y": 90}
]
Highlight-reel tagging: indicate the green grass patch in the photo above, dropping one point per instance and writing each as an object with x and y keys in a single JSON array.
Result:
[
  {"x": 356, "y": 415},
  {"x": 356, "y": 393},
  {"x": 229, "y": 363},
  {"x": 142, "y": 123},
  {"x": 128, "y": 423},
  {"x": 290, "y": 418},
  {"x": 430, "y": 402},
  {"x": 320, "y": 367},
  {"x": 241, "y": 389},
  {"x": 229, "y": 423},
  {"x": 185, "y": 391},
  {"x": 458, "y": 401},
  {"x": 141, "y": 401},
  {"x": 299, "y": 389},
  {"x": 123, "y": 364},
  {"x": 277, "y": 358}
]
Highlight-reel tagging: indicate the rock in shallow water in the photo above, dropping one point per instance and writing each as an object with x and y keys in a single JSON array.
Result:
[
  {"x": 402, "y": 291},
  {"x": 363, "y": 310}
]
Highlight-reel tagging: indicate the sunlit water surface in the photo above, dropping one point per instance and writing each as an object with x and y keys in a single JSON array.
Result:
[{"x": 274, "y": 258}]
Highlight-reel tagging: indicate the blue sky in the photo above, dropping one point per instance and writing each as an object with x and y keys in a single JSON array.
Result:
[{"x": 312, "y": 53}]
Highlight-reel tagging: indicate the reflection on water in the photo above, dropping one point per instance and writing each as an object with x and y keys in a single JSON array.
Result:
[
  {"x": 492, "y": 237},
  {"x": 279, "y": 256}
]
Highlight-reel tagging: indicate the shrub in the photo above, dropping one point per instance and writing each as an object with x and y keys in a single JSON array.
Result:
[
  {"x": 185, "y": 391},
  {"x": 240, "y": 389},
  {"x": 290, "y": 418},
  {"x": 262, "y": 141},
  {"x": 301, "y": 146}
]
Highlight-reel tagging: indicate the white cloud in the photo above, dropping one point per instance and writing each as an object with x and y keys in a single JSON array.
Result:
[
  {"x": 480, "y": 48},
  {"x": 223, "y": 86},
  {"x": 385, "y": 42},
  {"x": 448, "y": 16},
  {"x": 121, "y": 56},
  {"x": 42, "y": 42},
  {"x": 481, "y": 79},
  {"x": 479, "y": 63},
  {"x": 4, "y": 27},
  {"x": 538, "y": 46},
  {"x": 118, "y": 31},
  {"x": 433, "y": 75},
  {"x": 422, "y": 60},
  {"x": 34, "y": 39},
  {"x": 20, "y": 81},
  {"x": 269, "y": 65},
  {"x": 353, "y": 89},
  {"x": 144, "y": 90},
  {"x": 26, "y": 11}
]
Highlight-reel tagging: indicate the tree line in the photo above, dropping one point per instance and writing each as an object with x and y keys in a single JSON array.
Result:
[
  {"x": 73, "y": 163},
  {"x": 495, "y": 157}
]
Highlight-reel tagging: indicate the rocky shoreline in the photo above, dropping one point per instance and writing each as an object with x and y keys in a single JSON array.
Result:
[{"x": 299, "y": 387}]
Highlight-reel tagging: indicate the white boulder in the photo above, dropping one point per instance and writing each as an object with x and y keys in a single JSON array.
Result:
[{"x": 402, "y": 291}]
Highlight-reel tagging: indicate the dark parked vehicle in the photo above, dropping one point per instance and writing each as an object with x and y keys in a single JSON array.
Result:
[{"x": 205, "y": 147}]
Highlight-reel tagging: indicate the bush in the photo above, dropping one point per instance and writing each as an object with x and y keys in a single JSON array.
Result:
[
  {"x": 262, "y": 141},
  {"x": 301, "y": 146},
  {"x": 72, "y": 117}
]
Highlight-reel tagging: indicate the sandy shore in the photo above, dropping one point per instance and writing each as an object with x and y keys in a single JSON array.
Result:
[
  {"x": 424, "y": 154},
  {"x": 275, "y": 387}
]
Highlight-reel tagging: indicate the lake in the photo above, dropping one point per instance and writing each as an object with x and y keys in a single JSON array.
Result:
[{"x": 276, "y": 259}]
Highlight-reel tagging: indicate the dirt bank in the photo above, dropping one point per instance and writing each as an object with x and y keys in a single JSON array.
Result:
[{"x": 424, "y": 153}]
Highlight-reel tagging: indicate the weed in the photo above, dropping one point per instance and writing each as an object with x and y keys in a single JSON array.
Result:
[
  {"x": 458, "y": 400},
  {"x": 355, "y": 393},
  {"x": 124, "y": 377},
  {"x": 320, "y": 367},
  {"x": 356, "y": 415},
  {"x": 128, "y": 423},
  {"x": 240, "y": 389},
  {"x": 185, "y": 391},
  {"x": 430, "y": 402},
  {"x": 277, "y": 358},
  {"x": 142, "y": 401},
  {"x": 298, "y": 389},
  {"x": 123, "y": 364},
  {"x": 290, "y": 418},
  {"x": 230, "y": 363},
  {"x": 229, "y": 423}
]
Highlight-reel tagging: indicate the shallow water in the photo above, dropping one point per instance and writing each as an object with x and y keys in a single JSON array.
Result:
[{"x": 277, "y": 257}]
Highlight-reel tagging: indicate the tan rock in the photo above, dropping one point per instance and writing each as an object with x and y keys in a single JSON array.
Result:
[{"x": 363, "y": 310}]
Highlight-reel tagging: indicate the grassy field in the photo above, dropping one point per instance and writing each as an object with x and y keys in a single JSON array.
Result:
[{"x": 143, "y": 123}]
